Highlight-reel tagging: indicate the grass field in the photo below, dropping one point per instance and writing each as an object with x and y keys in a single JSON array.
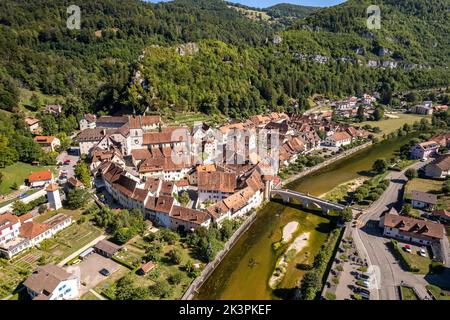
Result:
[
  {"x": 422, "y": 263},
  {"x": 431, "y": 186},
  {"x": 25, "y": 96},
  {"x": 17, "y": 173},
  {"x": 189, "y": 118},
  {"x": 390, "y": 125},
  {"x": 424, "y": 185},
  {"x": 408, "y": 293}
]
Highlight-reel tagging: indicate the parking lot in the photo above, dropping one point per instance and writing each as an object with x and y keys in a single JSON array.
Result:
[
  {"x": 70, "y": 166},
  {"x": 89, "y": 271}
]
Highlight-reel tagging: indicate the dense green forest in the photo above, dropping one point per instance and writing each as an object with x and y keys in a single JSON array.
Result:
[{"x": 238, "y": 70}]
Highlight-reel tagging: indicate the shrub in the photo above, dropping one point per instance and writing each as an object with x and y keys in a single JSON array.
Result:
[
  {"x": 436, "y": 267},
  {"x": 330, "y": 296}
]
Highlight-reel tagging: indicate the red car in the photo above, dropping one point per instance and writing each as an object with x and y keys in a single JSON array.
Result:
[{"x": 66, "y": 161}]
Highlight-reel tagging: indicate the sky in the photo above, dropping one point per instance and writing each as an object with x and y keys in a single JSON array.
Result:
[{"x": 268, "y": 3}]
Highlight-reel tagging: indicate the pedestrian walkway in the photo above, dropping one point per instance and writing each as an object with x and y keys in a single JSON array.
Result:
[{"x": 97, "y": 295}]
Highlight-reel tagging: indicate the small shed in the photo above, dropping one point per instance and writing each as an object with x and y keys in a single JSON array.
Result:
[
  {"x": 146, "y": 268},
  {"x": 107, "y": 248},
  {"x": 86, "y": 253}
]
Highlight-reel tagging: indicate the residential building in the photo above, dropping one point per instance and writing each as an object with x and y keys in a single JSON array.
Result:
[
  {"x": 47, "y": 143},
  {"x": 439, "y": 168},
  {"x": 215, "y": 185},
  {"x": 24, "y": 233},
  {"x": 423, "y": 200},
  {"x": 51, "y": 282},
  {"x": 425, "y": 150},
  {"x": 53, "y": 109},
  {"x": 33, "y": 124},
  {"x": 88, "y": 122},
  {"x": 443, "y": 215},
  {"x": 40, "y": 178},
  {"x": 338, "y": 139},
  {"x": 426, "y": 108},
  {"x": 443, "y": 139},
  {"x": 412, "y": 230}
]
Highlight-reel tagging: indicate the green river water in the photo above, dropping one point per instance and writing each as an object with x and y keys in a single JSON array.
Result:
[{"x": 245, "y": 271}]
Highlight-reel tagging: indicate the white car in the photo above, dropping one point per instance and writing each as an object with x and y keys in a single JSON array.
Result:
[{"x": 422, "y": 252}]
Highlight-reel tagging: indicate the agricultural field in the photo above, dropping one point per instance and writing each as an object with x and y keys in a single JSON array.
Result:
[
  {"x": 392, "y": 124},
  {"x": 189, "y": 118}
]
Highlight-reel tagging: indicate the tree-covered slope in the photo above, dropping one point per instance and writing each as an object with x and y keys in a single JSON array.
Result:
[
  {"x": 94, "y": 64},
  {"x": 242, "y": 66},
  {"x": 331, "y": 52}
]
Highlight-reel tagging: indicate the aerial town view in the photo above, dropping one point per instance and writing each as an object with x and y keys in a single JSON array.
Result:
[{"x": 198, "y": 150}]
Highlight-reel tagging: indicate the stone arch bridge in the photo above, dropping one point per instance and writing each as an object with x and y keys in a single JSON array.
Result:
[{"x": 306, "y": 200}]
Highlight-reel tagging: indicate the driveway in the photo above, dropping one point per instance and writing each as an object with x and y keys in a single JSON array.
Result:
[{"x": 88, "y": 271}]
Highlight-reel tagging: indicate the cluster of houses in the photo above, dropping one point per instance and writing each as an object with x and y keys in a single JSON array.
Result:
[
  {"x": 145, "y": 165},
  {"x": 348, "y": 108},
  {"x": 430, "y": 148},
  {"x": 420, "y": 231},
  {"x": 427, "y": 108}
]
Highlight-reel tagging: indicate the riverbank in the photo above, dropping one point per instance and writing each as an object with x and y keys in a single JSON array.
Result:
[
  {"x": 245, "y": 271},
  {"x": 324, "y": 164}
]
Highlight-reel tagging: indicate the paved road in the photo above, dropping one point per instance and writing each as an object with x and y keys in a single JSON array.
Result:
[
  {"x": 373, "y": 245},
  {"x": 28, "y": 199}
]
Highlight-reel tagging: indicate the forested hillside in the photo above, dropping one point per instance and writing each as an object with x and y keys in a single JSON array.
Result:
[
  {"x": 331, "y": 52},
  {"x": 241, "y": 66}
]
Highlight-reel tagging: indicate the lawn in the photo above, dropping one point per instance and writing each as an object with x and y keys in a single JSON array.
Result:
[
  {"x": 424, "y": 185},
  {"x": 390, "y": 125},
  {"x": 438, "y": 293},
  {"x": 17, "y": 173},
  {"x": 422, "y": 263},
  {"x": 89, "y": 296},
  {"x": 408, "y": 293}
]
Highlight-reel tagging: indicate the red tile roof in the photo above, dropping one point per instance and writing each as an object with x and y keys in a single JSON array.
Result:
[{"x": 40, "y": 176}]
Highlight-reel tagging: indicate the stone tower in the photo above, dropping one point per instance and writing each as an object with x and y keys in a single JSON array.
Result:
[{"x": 54, "y": 201}]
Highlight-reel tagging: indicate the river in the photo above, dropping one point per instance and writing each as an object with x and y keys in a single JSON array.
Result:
[{"x": 245, "y": 271}]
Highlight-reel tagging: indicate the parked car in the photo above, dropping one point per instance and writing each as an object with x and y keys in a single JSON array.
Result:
[
  {"x": 363, "y": 283},
  {"x": 422, "y": 252},
  {"x": 66, "y": 162},
  {"x": 362, "y": 290},
  {"x": 407, "y": 248},
  {"x": 23, "y": 195},
  {"x": 363, "y": 276},
  {"x": 105, "y": 272}
]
